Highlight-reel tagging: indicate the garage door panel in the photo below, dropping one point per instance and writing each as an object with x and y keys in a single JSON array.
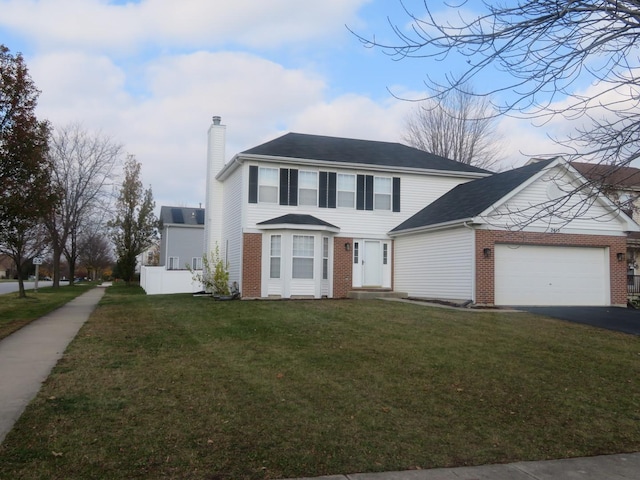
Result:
[{"x": 544, "y": 275}]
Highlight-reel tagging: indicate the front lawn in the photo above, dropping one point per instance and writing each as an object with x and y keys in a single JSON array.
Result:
[{"x": 186, "y": 387}]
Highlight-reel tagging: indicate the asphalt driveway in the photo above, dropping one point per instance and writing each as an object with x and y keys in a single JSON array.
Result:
[{"x": 624, "y": 320}]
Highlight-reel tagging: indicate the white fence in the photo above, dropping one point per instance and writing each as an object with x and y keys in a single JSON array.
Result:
[{"x": 158, "y": 280}]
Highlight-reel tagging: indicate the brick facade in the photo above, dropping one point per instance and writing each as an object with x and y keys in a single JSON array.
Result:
[
  {"x": 342, "y": 266},
  {"x": 485, "y": 267},
  {"x": 252, "y": 265}
]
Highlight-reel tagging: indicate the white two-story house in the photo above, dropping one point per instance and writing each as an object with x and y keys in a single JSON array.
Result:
[{"x": 307, "y": 216}]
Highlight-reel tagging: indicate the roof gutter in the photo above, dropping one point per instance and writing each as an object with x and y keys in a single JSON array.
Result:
[
  {"x": 467, "y": 222},
  {"x": 241, "y": 158}
]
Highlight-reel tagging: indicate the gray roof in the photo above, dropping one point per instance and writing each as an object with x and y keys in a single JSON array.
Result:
[
  {"x": 297, "y": 219},
  {"x": 348, "y": 150},
  {"x": 181, "y": 216},
  {"x": 472, "y": 198}
]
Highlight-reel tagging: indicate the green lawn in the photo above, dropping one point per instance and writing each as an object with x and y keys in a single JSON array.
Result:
[
  {"x": 189, "y": 388},
  {"x": 16, "y": 312}
]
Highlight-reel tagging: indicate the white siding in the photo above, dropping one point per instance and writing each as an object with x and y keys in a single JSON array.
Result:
[
  {"x": 416, "y": 192},
  {"x": 232, "y": 224},
  {"x": 534, "y": 208},
  {"x": 436, "y": 264}
]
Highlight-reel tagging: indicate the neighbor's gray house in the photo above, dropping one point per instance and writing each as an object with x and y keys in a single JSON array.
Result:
[
  {"x": 181, "y": 250},
  {"x": 309, "y": 216}
]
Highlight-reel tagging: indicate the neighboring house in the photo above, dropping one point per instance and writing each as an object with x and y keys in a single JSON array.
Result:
[
  {"x": 306, "y": 216},
  {"x": 182, "y": 238},
  {"x": 6, "y": 266},
  {"x": 622, "y": 186},
  {"x": 180, "y": 251}
]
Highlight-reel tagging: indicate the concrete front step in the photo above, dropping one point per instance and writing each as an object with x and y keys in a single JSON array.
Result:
[{"x": 370, "y": 294}]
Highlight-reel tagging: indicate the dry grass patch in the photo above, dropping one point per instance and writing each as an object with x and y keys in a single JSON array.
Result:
[{"x": 184, "y": 387}]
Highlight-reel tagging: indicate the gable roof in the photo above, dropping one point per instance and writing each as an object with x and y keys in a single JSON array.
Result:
[
  {"x": 472, "y": 198},
  {"x": 182, "y": 216},
  {"x": 611, "y": 175},
  {"x": 364, "y": 152}
]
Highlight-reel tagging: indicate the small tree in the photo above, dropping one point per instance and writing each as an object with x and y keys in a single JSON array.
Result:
[
  {"x": 214, "y": 275},
  {"x": 135, "y": 225}
]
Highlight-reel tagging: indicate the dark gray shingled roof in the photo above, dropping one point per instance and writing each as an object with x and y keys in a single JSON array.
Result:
[
  {"x": 348, "y": 150},
  {"x": 297, "y": 219},
  {"x": 472, "y": 198},
  {"x": 182, "y": 216}
]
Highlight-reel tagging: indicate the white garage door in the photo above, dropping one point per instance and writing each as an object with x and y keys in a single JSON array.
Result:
[{"x": 539, "y": 275}]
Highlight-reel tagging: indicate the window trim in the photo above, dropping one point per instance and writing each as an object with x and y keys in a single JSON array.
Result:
[
  {"x": 261, "y": 184},
  {"x": 301, "y": 188}
]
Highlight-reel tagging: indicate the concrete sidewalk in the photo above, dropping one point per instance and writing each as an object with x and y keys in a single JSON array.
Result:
[
  {"x": 28, "y": 355},
  {"x": 605, "y": 467}
]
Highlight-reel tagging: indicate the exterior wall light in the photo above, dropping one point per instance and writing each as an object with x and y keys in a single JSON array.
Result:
[
  {"x": 621, "y": 256},
  {"x": 347, "y": 247},
  {"x": 486, "y": 252}
]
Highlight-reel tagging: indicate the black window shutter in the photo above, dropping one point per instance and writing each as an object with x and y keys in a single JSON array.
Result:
[
  {"x": 323, "y": 188},
  {"x": 293, "y": 187},
  {"x": 368, "y": 202},
  {"x": 360, "y": 192},
  {"x": 396, "y": 194},
  {"x": 253, "y": 184},
  {"x": 331, "y": 194},
  {"x": 284, "y": 186}
]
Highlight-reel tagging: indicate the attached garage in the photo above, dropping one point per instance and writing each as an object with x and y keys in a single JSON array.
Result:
[{"x": 551, "y": 275}]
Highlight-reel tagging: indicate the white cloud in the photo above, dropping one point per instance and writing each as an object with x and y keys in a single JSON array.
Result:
[{"x": 100, "y": 25}]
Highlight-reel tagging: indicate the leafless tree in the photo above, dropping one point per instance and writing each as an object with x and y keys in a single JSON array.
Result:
[
  {"x": 95, "y": 252},
  {"x": 461, "y": 127},
  {"x": 84, "y": 170},
  {"x": 542, "y": 60},
  {"x": 576, "y": 59}
]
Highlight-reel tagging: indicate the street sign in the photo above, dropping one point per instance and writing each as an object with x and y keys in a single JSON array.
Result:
[{"x": 37, "y": 261}]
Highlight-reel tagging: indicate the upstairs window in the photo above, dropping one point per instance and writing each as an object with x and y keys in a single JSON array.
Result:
[
  {"x": 382, "y": 193},
  {"x": 346, "y": 190},
  {"x": 174, "y": 263},
  {"x": 268, "y": 185},
  {"x": 196, "y": 263},
  {"x": 307, "y": 188}
]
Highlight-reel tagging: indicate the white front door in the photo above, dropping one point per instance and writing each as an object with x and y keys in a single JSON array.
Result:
[{"x": 372, "y": 264}]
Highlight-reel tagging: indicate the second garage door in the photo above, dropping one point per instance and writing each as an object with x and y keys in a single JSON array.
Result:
[{"x": 545, "y": 275}]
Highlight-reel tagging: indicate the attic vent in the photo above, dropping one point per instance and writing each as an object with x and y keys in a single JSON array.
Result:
[{"x": 176, "y": 215}]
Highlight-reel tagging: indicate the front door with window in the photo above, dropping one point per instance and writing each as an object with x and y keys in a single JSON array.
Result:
[{"x": 372, "y": 264}]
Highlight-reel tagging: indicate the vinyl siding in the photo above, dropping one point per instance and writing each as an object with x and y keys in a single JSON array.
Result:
[
  {"x": 578, "y": 215},
  {"x": 435, "y": 265},
  {"x": 232, "y": 224},
  {"x": 182, "y": 242}
]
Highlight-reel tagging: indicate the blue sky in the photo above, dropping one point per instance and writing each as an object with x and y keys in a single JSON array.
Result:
[{"x": 151, "y": 73}]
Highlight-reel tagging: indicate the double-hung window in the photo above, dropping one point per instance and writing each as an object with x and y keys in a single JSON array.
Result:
[
  {"x": 268, "y": 185},
  {"x": 196, "y": 263},
  {"x": 302, "y": 256},
  {"x": 346, "y": 190},
  {"x": 275, "y": 256},
  {"x": 307, "y": 188},
  {"x": 382, "y": 190},
  {"x": 325, "y": 258},
  {"x": 174, "y": 263}
]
